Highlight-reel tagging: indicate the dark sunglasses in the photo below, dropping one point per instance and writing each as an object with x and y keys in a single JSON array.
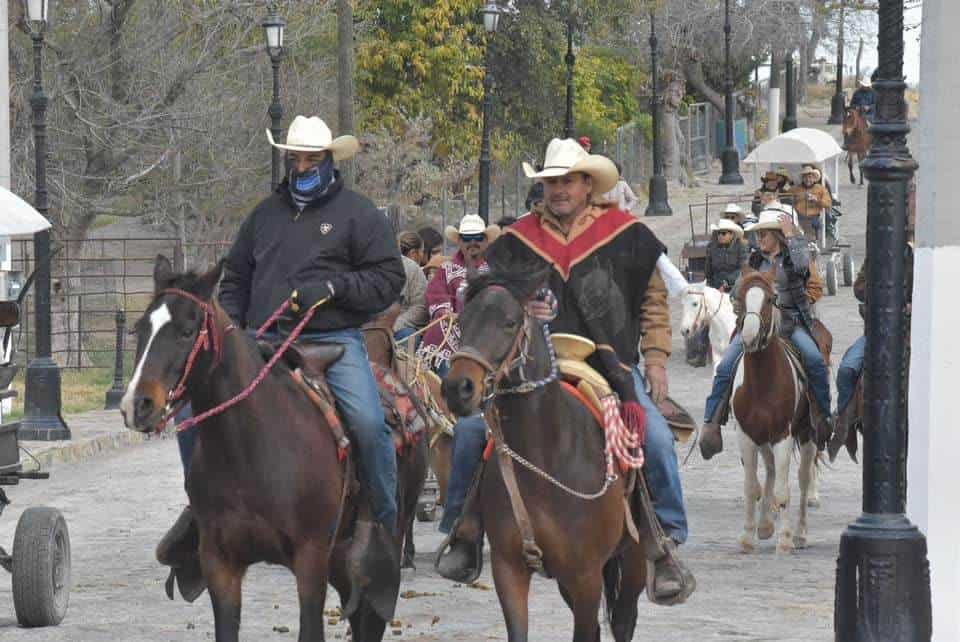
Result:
[{"x": 473, "y": 238}]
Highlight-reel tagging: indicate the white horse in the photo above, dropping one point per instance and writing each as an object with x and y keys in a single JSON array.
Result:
[{"x": 704, "y": 306}]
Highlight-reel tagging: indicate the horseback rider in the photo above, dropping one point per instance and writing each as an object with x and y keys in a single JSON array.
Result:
[
  {"x": 314, "y": 241},
  {"x": 784, "y": 251},
  {"x": 865, "y": 97},
  {"x": 604, "y": 285},
  {"x": 810, "y": 199}
]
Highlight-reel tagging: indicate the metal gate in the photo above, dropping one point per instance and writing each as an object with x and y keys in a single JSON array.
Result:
[{"x": 698, "y": 137}]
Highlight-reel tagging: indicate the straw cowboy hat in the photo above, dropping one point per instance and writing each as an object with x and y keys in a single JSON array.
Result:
[
  {"x": 726, "y": 225},
  {"x": 769, "y": 220},
  {"x": 771, "y": 176},
  {"x": 471, "y": 224},
  {"x": 567, "y": 156},
  {"x": 313, "y": 135},
  {"x": 732, "y": 209},
  {"x": 810, "y": 169}
]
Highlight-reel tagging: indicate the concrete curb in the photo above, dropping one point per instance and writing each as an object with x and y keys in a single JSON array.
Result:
[{"x": 94, "y": 433}]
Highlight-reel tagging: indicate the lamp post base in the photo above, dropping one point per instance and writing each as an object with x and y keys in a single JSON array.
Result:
[
  {"x": 730, "y": 160},
  {"x": 113, "y": 398},
  {"x": 883, "y": 582},
  {"x": 658, "y": 205},
  {"x": 836, "y": 109},
  {"x": 41, "y": 419}
]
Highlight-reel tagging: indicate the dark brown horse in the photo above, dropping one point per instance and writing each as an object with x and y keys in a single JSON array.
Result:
[
  {"x": 584, "y": 542},
  {"x": 772, "y": 408},
  {"x": 265, "y": 482},
  {"x": 856, "y": 135}
]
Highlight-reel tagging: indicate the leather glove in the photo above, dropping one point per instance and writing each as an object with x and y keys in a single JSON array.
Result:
[{"x": 309, "y": 296}]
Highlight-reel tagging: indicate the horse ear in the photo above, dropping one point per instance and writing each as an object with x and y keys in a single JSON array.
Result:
[
  {"x": 208, "y": 281},
  {"x": 162, "y": 272}
]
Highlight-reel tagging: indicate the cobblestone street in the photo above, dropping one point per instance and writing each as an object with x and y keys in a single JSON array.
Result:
[{"x": 117, "y": 506}]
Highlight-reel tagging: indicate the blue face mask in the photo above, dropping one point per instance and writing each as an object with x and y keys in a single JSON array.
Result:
[{"x": 314, "y": 181}]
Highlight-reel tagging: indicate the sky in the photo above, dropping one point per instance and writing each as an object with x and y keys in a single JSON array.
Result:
[{"x": 911, "y": 53}]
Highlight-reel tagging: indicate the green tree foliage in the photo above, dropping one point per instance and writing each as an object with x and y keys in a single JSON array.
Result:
[{"x": 607, "y": 88}]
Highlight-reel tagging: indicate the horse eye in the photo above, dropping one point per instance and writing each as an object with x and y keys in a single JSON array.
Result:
[{"x": 186, "y": 333}]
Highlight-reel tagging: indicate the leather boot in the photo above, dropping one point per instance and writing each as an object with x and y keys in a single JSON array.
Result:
[
  {"x": 179, "y": 549},
  {"x": 673, "y": 582},
  {"x": 711, "y": 441},
  {"x": 460, "y": 557},
  {"x": 373, "y": 568}
]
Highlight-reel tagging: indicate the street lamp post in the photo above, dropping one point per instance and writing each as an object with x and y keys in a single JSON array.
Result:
[
  {"x": 790, "y": 121},
  {"x": 883, "y": 574},
  {"x": 658, "y": 205},
  {"x": 491, "y": 19},
  {"x": 42, "y": 401},
  {"x": 838, "y": 103},
  {"x": 273, "y": 27},
  {"x": 730, "y": 157},
  {"x": 571, "y": 60}
]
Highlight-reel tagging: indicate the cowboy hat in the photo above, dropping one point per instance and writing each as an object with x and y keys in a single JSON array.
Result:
[
  {"x": 726, "y": 225},
  {"x": 769, "y": 220},
  {"x": 733, "y": 208},
  {"x": 864, "y": 82},
  {"x": 471, "y": 224},
  {"x": 567, "y": 156},
  {"x": 810, "y": 169},
  {"x": 771, "y": 176},
  {"x": 312, "y": 135}
]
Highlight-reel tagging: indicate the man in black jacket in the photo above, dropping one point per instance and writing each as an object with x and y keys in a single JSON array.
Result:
[{"x": 314, "y": 240}]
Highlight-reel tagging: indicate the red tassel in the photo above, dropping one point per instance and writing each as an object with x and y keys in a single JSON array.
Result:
[
  {"x": 488, "y": 451},
  {"x": 635, "y": 419}
]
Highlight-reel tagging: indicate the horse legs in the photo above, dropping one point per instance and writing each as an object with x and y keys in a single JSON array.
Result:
[
  {"x": 311, "y": 569},
  {"x": 583, "y": 598},
  {"x": 813, "y": 497},
  {"x": 409, "y": 548},
  {"x": 366, "y": 625},
  {"x": 808, "y": 476},
  {"x": 624, "y": 580},
  {"x": 751, "y": 491},
  {"x": 224, "y": 584},
  {"x": 782, "y": 451},
  {"x": 512, "y": 580},
  {"x": 766, "y": 527},
  {"x": 853, "y": 180}
]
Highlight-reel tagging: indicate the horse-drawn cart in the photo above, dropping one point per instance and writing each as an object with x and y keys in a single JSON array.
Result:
[{"x": 40, "y": 560}]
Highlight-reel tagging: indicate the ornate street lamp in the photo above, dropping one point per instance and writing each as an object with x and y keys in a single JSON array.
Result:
[
  {"x": 273, "y": 28},
  {"x": 730, "y": 157},
  {"x": 571, "y": 60},
  {"x": 883, "y": 574},
  {"x": 42, "y": 401},
  {"x": 658, "y": 205},
  {"x": 790, "y": 120},
  {"x": 838, "y": 103},
  {"x": 491, "y": 20}
]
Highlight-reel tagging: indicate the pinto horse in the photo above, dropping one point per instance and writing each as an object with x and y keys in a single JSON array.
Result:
[
  {"x": 576, "y": 511},
  {"x": 265, "y": 482},
  {"x": 771, "y": 406},
  {"x": 857, "y": 137}
]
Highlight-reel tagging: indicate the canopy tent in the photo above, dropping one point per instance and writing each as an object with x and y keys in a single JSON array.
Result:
[
  {"x": 798, "y": 147},
  {"x": 17, "y": 217}
]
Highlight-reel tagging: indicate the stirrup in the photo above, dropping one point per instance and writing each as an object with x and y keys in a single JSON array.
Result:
[{"x": 464, "y": 573}]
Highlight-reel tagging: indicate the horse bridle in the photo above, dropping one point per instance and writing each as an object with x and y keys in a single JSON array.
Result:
[{"x": 707, "y": 320}]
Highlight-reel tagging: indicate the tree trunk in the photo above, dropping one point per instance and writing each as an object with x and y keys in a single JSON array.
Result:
[
  {"x": 859, "y": 58},
  {"x": 345, "y": 66},
  {"x": 775, "y": 68},
  {"x": 804, "y": 73},
  {"x": 693, "y": 73}
]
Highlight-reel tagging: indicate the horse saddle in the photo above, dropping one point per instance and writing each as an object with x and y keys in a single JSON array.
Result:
[{"x": 573, "y": 350}]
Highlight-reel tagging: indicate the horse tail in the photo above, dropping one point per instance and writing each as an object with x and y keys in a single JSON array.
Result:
[{"x": 612, "y": 575}]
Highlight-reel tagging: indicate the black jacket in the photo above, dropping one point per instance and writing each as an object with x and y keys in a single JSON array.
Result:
[
  {"x": 724, "y": 263},
  {"x": 342, "y": 238}
]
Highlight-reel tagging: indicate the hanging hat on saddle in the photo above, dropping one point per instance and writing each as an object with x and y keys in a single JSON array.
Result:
[
  {"x": 470, "y": 225},
  {"x": 726, "y": 225},
  {"x": 312, "y": 135},
  {"x": 567, "y": 157}
]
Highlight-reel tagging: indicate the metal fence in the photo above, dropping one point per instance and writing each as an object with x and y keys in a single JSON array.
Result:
[{"x": 698, "y": 125}]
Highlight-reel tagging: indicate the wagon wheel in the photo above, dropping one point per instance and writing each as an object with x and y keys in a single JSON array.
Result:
[
  {"x": 41, "y": 567},
  {"x": 832, "y": 277},
  {"x": 849, "y": 269}
]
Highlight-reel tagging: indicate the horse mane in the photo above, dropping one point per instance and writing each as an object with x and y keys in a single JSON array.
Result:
[
  {"x": 750, "y": 277},
  {"x": 520, "y": 274}
]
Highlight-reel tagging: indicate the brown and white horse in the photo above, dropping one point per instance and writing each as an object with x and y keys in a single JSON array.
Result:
[{"x": 771, "y": 406}]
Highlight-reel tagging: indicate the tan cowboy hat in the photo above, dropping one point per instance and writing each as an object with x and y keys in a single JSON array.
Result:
[
  {"x": 771, "y": 176},
  {"x": 810, "y": 169},
  {"x": 567, "y": 156},
  {"x": 471, "y": 224},
  {"x": 312, "y": 135},
  {"x": 727, "y": 225}
]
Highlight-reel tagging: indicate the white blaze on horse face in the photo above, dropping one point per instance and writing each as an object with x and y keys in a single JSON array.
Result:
[
  {"x": 691, "y": 311},
  {"x": 158, "y": 318},
  {"x": 753, "y": 305}
]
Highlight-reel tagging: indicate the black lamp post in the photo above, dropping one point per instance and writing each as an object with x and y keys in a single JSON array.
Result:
[
  {"x": 273, "y": 28},
  {"x": 42, "y": 402},
  {"x": 491, "y": 19},
  {"x": 658, "y": 205},
  {"x": 883, "y": 574},
  {"x": 730, "y": 157},
  {"x": 790, "y": 120},
  {"x": 571, "y": 60},
  {"x": 838, "y": 103}
]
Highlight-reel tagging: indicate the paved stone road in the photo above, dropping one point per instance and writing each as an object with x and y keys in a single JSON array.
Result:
[{"x": 118, "y": 505}]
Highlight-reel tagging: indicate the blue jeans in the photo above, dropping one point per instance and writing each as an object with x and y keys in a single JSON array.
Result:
[
  {"x": 353, "y": 385},
  {"x": 400, "y": 335},
  {"x": 849, "y": 371},
  {"x": 662, "y": 469},
  {"x": 813, "y": 363}
]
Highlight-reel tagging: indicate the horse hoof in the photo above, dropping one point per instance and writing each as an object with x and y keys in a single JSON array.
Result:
[
  {"x": 800, "y": 541},
  {"x": 785, "y": 546},
  {"x": 747, "y": 545},
  {"x": 765, "y": 531},
  {"x": 813, "y": 502}
]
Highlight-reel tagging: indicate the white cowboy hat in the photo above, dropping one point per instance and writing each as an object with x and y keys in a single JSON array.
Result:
[
  {"x": 810, "y": 169},
  {"x": 471, "y": 224},
  {"x": 728, "y": 226},
  {"x": 567, "y": 156},
  {"x": 769, "y": 219},
  {"x": 732, "y": 208},
  {"x": 312, "y": 135},
  {"x": 865, "y": 82}
]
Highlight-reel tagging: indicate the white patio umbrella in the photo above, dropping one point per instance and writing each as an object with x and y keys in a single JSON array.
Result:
[{"x": 17, "y": 217}]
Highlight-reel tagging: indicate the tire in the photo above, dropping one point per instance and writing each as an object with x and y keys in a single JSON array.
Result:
[
  {"x": 41, "y": 567},
  {"x": 832, "y": 281},
  {"x": 849, "y": 270}
]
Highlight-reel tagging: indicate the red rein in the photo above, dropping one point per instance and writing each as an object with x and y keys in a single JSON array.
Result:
[{"x": 209, "y": 339}]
